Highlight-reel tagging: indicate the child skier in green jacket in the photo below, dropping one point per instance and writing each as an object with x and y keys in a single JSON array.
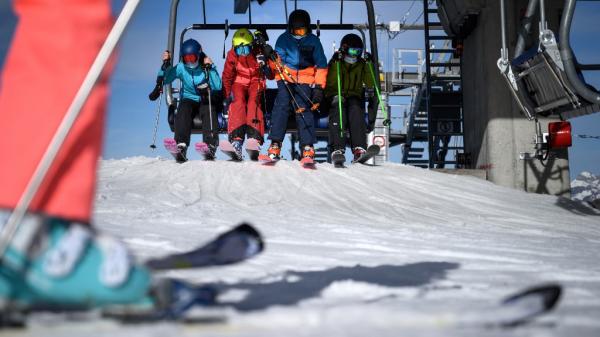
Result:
[{"x": 354, "y": 75}]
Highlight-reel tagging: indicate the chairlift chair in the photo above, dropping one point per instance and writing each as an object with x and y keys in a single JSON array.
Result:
[
  {"x": 546, "y": 80},
  {"x": 321, "y": 120}
]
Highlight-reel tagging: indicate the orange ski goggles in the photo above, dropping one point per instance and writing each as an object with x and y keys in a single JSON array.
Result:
[{"x": 299, "y": 31}]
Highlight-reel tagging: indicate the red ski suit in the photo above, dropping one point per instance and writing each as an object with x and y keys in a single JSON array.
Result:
[
  {"x": 50, "y": 65},
  {"x": 243, "y": 78}
]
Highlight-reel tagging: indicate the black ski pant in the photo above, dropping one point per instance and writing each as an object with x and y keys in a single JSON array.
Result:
[
  {"x": 184, "y": 122},
  {"x": 353, "y": 119}
]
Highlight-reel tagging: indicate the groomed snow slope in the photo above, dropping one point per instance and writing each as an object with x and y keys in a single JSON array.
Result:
[{"x": 389, "y": 250}]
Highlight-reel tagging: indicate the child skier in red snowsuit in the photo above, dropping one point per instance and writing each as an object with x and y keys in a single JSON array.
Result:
[{"x": 244, "y": 81}]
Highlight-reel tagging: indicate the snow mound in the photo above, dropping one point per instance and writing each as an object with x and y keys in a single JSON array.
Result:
[{"x": 586, "y": 187}]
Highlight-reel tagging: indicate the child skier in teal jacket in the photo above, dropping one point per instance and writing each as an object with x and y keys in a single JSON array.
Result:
[{"x": 196, "y": 73}]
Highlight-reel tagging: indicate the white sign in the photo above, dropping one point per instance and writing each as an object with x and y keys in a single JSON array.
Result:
[
  {"x": 394, "y": 26},
  {"x": 379, "y": 140}
]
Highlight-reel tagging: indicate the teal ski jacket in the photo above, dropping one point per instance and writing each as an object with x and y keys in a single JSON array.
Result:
[{"x": 191, "y": 78}]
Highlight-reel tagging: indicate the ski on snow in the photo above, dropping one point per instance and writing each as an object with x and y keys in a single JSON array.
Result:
[
  {"x": 253, "y": 149},
  {"x": 227, "y": 148},
  {"x": 171, "y": 146},
  {"x": 172, "y": 298},
  {"x": 204, "y": 150},
  {"x": 235, "y": 245},
  {"x": 371, "y": 152}
]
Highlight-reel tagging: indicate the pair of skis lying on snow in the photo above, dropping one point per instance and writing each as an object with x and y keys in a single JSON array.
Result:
[
  {"x": 174, "y": 297},
  {"x": 253, "y": 150}
]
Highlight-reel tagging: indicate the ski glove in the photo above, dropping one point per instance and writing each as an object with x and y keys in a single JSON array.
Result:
[
  {"x": 202, "y": 89},
  {"x": 367, "y": 56},
  {"x": 261, "y": 59},
  {"x": 317, "y": 97},
  {"x": 226, "y": 103},
  {"x": 155, "y": 94},
  {"x": 267, "y": 51}
]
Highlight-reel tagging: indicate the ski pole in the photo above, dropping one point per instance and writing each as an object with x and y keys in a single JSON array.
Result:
[
  {"x": 294, "y": 102},
  {"x": 212, "y": 131},
  {"x": 299, "y": 110},
  {"x": 153, "y": 145},
  {"x": 386, "y": 121},
  {"x": 255, "y": 121},
  {"x": 61, "y": 133},
  {"x": 339, "y": 88}
]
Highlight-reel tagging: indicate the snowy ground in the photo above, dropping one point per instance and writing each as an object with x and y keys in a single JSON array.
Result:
[{"x": 379, "y": 251}]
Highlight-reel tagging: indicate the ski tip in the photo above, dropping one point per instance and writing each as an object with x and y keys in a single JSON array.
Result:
[
  {"x": 548, "y": 293},
  {"x": 531, "y": 302},
  {"x": 374, "y": 147},
  {"x": 250, "y": 230}
]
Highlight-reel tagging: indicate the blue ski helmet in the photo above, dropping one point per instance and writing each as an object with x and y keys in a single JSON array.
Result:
[{"x": 190, "y": 47}]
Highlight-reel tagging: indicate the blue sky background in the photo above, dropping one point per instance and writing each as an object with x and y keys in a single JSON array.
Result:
[{"x": 131, "y": 115}]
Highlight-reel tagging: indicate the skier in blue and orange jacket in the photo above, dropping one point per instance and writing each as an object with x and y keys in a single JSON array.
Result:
[{"x": 300, "y": 67}]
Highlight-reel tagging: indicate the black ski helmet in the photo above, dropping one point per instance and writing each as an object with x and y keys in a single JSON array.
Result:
[
  {"x": 351, "y": 41},
  {"x": 298, "y": 19}
]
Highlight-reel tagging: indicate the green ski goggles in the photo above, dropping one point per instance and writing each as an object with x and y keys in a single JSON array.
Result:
[{"x": 355, "y": 51}]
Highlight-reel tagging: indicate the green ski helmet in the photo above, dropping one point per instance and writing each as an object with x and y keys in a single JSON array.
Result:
[
  {"x": 242, "y": 42},
  {"x": 242, "y": 36}
]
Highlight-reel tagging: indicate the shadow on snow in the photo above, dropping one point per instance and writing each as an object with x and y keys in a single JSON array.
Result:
[{"x": 297, "y": 286}]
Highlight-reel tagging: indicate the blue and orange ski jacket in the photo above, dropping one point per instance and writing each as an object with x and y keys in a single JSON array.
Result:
[{"x": 303, "y": 58}]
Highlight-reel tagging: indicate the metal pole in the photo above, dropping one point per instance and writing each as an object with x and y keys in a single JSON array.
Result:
[
  {"x": 503, "y": 26},
  {"x": 68, "y": 120},
  {"x": 525, "y": 28},
  {"x": 543, "y": 23},
  {"x": 171, "y": 46},
  {"x": 373, "y": 37},
  {"x": 250, "y": 12},
  {"x": 204, "y": 10},
  {"x": 568, "y": 58},
  {"x": 430, "y": 145}
]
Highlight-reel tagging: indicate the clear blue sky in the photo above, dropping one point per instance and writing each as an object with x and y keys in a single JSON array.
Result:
[{"x": 131, "y": 115}]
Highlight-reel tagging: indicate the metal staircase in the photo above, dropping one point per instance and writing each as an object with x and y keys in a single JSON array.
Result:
[
  {"x": 436, "y": 119},
  {"x": 416, "y": 132}
]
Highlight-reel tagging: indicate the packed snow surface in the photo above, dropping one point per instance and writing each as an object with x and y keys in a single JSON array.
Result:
[
  {"x": 387, "y": 250},
  {"x": 586, "y": 187}
]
